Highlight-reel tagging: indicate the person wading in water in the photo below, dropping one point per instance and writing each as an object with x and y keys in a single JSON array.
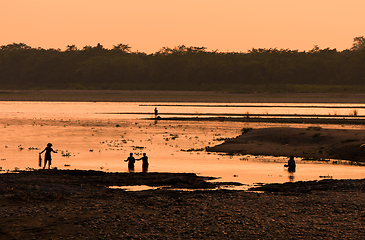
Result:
[
  {"x": 131, "y": 160},
  {"x": 47, "y": 155},
  {"x": 144, "y": 162},
  {"x": 291, "y": 164}
]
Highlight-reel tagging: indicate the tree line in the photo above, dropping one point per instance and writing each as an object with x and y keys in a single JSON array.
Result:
[{"x": 183, "y": 68}]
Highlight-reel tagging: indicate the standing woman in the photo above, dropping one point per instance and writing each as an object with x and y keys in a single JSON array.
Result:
[
  {"x": 144, "y": 162},
  {"x": 47, "y": 155}
]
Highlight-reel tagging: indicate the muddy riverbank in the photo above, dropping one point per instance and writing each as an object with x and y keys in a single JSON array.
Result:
[{"x": 79, "y": 204}]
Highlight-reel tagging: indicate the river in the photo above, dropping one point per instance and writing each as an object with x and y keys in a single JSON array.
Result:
[{"x": 100, "y": 135}]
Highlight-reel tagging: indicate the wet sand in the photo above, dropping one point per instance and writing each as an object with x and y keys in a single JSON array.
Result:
[{"x": 54, "y": 204}]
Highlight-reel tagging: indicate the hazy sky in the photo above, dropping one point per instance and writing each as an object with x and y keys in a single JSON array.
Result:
[{"x": 148, "y": 25}]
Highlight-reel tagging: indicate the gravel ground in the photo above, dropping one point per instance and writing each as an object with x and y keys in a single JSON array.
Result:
[{"x": 79, "y": 205}]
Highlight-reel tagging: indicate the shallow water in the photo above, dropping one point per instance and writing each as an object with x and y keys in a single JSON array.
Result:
[{"x": 92, "y": 136}]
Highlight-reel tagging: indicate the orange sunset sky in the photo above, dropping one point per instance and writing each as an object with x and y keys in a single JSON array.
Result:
[{"x": 148, "y": 25}]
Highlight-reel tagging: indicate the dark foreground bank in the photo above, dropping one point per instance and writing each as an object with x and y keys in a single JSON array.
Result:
[{"x": 79, "y": 204}]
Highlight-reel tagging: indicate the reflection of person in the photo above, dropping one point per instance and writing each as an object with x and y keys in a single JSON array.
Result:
[
  {"x": 291, "y": 164},
  {"x": 291, "y": 176},
  {"x": 47, "y": 155},
  {"x": 144, "y": 162},
  {"x": 131, "y": 160}
]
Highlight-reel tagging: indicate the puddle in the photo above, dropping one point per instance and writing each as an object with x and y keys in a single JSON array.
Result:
[
  {"x": 134, "y": 188},
  {"x": 137, "y": 188}
]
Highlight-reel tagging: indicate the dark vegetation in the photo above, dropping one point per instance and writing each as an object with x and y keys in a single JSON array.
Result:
[{"x": 184, "y": 68}]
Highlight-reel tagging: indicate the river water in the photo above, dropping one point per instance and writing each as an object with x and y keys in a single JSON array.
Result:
[{"x": 100, "y": 135}]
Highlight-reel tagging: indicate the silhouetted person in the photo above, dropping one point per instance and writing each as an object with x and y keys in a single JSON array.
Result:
[
  {"x": 156, "y": 112},
  {"x": 291, "y": 164},
  {"x": 47, "y": 155},
  {"x": 131, "y": 160},
  {"x": 144, "y": 162}
]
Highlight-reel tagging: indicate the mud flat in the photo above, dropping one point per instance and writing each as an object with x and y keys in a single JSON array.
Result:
[
  {"x": 313, "y": 119},
  {"x": 310, "y": 142},
  {"x": 57, "y": 204}
]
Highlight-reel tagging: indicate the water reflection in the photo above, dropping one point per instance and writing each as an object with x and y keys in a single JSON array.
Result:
[
  {"x": 134, "y": 188},
  {"x": 291, "y": 176}
]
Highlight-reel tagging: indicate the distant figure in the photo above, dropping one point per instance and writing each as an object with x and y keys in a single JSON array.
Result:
[
  {"x": 131, "y": 160},
  {"x": 156, "y": 112},
  {"x": 144, "y": 162},
  {"x": 291, "y": 164},
  {"x": 47, "y": 155}
]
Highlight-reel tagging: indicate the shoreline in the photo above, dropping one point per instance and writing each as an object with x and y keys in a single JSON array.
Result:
[{"x": 176, "y": 96}]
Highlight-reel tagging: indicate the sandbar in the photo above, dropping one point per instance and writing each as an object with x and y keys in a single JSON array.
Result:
[{"x": 310, "y": 142}]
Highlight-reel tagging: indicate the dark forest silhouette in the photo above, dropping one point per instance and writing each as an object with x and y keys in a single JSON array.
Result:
[{"x": 183, "y": 68}]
